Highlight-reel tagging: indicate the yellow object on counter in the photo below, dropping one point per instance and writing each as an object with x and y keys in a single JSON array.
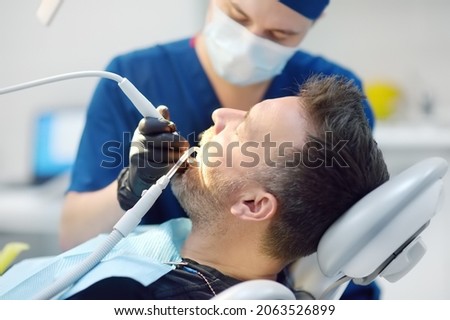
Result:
[
  {"x": 9, "y": 253},
  {"x": 384, "y": 97}
]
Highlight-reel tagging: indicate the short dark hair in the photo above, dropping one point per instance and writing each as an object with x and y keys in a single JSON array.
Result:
[{"x": 324, "y": 184}]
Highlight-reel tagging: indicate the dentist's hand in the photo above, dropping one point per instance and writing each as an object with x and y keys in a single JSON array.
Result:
[{"x": 155, "y": 148}]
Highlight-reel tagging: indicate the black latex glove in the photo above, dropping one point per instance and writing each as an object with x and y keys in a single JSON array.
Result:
[{"x": 155, "y": 148}]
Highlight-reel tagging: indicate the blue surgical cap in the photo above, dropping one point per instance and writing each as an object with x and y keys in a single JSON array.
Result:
[{"x": 308, "y": 8}]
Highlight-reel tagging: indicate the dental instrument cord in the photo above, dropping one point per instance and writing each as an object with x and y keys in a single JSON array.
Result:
[
  {"x": 141, "y": 103},
  {"x": 62, "y": 77},
  {"x": 122, "y": 228}
]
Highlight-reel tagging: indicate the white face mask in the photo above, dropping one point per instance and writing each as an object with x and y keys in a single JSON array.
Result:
[{"x": 238, "y": 55}]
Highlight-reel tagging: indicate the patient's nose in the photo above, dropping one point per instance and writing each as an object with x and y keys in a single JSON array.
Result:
[{"x": 224, "y": 117}]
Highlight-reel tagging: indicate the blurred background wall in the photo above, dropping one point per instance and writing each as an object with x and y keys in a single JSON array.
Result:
[
  {"x": 400, "y": 49},
  {"x": 404, "y": 43}
]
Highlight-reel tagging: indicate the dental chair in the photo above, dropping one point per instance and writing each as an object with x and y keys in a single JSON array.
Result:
[{"x": 377, "y": 236}]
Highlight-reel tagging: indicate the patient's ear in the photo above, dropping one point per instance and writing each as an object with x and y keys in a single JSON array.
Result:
[{"x": 256, "y": 207}]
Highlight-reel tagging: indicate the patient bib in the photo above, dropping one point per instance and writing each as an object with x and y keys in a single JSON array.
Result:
[{"x": 140, "y": 256}]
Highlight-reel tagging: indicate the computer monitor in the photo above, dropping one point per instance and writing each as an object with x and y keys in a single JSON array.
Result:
[{"x": 56, "y": 142}]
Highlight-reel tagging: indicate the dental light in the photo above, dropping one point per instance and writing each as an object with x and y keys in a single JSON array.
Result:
[{"x": 133, "y": 216}]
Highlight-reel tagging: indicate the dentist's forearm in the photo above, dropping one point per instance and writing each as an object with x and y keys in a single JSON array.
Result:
[{"x": 87, "y": 214}]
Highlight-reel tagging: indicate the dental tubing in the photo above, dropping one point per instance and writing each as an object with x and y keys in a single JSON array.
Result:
[
  {"x": 133, "y": 216},
  {"x": 122, "y": 228},
  {"x": 141, "y": 103}
]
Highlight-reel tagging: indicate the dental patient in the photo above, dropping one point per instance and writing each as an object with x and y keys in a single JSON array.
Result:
[
  {"x": 265, "y": 187},
  {"x": 268, "y": 185}
]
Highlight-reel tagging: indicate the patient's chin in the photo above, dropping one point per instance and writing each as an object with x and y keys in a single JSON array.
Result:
[{"x": 185, "y": 185}]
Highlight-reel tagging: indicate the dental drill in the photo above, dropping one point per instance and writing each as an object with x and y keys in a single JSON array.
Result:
[{"x": 132, "y": 217}]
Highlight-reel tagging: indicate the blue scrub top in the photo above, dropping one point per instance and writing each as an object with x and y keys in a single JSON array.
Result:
[{"x": 171, "y": 75}]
